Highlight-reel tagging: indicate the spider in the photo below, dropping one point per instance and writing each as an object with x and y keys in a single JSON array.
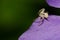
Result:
[{"x": 43, "y": 15}]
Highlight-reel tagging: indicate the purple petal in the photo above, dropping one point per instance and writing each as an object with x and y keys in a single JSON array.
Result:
[
  {"x": 54, "y": 3},
  {"x": 49, "y": 30}
]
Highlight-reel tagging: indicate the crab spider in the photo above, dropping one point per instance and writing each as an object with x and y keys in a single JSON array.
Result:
[{"x": 43, "y": 15}]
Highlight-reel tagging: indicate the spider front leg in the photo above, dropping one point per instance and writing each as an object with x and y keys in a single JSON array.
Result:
[{"x": 41, "y": 21}]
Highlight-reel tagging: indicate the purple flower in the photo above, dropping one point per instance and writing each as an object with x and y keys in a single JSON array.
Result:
[
  {"x": 48, "y": 30},
  {"x": 54, "y": 3}
]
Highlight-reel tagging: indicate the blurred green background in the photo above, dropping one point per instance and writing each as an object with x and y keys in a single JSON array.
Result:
[{"x": 16, "y": 16}]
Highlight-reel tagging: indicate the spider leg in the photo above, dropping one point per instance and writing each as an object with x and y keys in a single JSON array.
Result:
[
  {"x": 47, "y": 19},
  {"x": 41, "y": 21}
]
